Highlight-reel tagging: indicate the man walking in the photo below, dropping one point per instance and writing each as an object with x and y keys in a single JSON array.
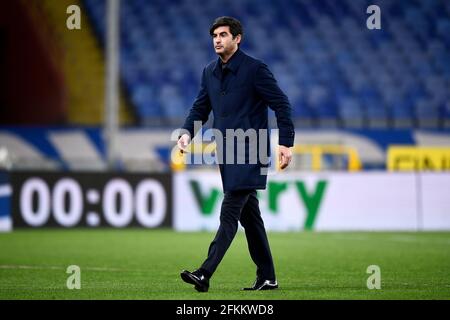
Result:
[{"x": 239, "y": 89}]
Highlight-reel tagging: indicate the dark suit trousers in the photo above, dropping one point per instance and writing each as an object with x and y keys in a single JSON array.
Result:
[{"x": 241, "y": 206}]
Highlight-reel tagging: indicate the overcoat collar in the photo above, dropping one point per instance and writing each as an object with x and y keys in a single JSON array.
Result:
[{"x": 232, "y": 64}]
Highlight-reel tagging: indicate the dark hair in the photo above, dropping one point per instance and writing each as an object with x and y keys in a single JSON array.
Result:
[{"x": 233, "y": 23}]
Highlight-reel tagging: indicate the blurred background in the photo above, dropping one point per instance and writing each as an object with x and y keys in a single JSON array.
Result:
[{"x": 371, "y": 108}]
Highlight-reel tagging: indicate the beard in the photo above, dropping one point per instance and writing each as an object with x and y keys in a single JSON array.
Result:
[{"x": 226, "y": 51}]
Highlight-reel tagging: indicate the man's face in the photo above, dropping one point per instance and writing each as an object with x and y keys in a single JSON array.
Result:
[{"x": 223, "y": 41}]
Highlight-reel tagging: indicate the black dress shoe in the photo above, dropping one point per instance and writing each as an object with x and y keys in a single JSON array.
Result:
[
  {"x": 261, "y": 284},
  {"x": 199, "y": 280}
]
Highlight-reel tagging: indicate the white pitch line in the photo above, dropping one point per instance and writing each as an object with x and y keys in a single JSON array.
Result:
[
  {"x": 419, "y": 240},
  {"x": 25, "y": 267},
  {"x": 392, "y": 238}
]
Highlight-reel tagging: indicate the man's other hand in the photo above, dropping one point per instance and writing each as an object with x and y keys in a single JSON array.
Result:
[
  {"x": 183, "y": 142},
  {"x": 285, "y": 156}
]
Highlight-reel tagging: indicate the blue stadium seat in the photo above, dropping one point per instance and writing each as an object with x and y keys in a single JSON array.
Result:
[
  {"x": 352, "y": 113},
  {"x": 402, "y": 114},
  {"x": 445, "y": 114},
  {"x": 427, "y": 115}
]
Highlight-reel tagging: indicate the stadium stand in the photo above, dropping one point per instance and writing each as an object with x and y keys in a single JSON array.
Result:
[{"x": 336, "y": 72}]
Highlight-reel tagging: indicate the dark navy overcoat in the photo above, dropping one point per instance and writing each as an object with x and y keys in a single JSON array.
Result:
[{"x": 239, "y": 97}]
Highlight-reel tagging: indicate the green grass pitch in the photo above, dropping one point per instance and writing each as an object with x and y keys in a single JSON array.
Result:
[{"x": 145, "y": 264}]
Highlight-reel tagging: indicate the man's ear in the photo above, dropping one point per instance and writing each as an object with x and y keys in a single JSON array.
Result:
[{"x": 238, "y": 39}]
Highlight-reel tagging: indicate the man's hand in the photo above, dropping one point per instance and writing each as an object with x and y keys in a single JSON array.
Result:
[
  {"x": 285, "y": 156},
  {"x": 183, "y": 142}
]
